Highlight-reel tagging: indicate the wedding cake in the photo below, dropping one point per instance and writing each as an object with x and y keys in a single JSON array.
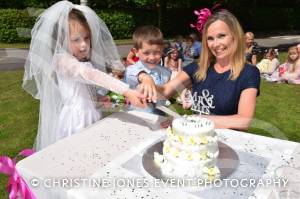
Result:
[{"x": 190, "y": 150}]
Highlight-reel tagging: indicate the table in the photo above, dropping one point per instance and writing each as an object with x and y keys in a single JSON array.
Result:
[{"x": 110, "y": 151}]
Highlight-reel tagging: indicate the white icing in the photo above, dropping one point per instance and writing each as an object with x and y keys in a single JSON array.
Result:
[
  {"x": 193, "y": 126},
  {"x": 191, "y": 149}
]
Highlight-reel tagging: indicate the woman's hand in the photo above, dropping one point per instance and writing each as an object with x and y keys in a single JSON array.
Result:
[{"x": 186, "y": 99}]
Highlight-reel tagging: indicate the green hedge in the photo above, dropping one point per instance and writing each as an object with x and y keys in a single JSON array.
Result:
[
  {"x": 119, "y": 23},
  {"x": 15, "y": 25}
]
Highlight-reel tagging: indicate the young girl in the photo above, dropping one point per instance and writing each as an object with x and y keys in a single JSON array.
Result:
[
  {"x": 290, "y": 63},
  {"x": 70, "y": 48},
  {"x": 290, "y": 73},
  {"x": 270, "y": 62},
  {"x": 173, "y": 62}
]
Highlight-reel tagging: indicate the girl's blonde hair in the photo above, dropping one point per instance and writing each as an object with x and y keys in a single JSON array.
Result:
[
  {"x": 294, "y": 62},
  {"x": 237, "y": 59}
]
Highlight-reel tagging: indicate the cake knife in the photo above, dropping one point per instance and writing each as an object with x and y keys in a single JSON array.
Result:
[{"x": 168, "y": 111}]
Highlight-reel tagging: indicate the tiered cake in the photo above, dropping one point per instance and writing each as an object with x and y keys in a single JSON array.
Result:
[{"x": 190, "y": 150}]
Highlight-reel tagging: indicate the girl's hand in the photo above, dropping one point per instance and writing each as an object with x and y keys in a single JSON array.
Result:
[
  {"x": 147, "y": 87},
  {"x": 135, "y": 98}
]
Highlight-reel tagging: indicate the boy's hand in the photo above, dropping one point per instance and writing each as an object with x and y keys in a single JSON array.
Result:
[
  {"x": 135, "y": 98},
  {"x": 147, "y": 87}
]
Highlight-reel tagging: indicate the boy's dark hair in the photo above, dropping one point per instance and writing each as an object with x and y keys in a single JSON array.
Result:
[{"x": 147, "y": 34}]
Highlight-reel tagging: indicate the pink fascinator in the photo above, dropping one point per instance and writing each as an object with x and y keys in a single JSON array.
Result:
[{"x": 203, "y": 15}]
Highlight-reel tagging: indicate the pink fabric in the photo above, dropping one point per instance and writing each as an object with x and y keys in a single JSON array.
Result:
[{"x": 16, "y": 186}]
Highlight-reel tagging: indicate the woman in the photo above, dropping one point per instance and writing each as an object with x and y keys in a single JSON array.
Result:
[
  {"x": 251, "y": 49},
  {"x": 224, "y": 87}
]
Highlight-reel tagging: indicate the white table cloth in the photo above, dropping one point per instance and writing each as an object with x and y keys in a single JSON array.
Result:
[{"x": 111, "y": 151}]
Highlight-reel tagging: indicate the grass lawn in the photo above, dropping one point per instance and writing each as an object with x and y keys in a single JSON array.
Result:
[{"x": 277, "y": 115}]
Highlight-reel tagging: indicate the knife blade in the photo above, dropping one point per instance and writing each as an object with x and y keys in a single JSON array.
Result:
[{"x": 168, "y": 111}]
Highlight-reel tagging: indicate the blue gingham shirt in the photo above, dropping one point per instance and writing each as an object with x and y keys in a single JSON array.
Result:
[{"x": 159, "y": 74}]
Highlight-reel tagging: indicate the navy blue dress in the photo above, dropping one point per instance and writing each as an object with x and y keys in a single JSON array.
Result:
[{"x": 217, "y": 94}]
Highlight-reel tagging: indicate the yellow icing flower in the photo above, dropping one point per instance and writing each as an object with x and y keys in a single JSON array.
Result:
[
  {"x": 192, "y": 141},
  {"x": 180, "y": 138},
  {"x": 203, "y": 155},
  {"x": 166, "y": 149},
  {"x": 204, "y": 140},
  {"x": 211, "y": 171}
]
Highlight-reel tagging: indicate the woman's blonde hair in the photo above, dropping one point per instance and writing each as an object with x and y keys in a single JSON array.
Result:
[
  {"x": 249, "y": 34},
  {"x": 237, "y": 59}
]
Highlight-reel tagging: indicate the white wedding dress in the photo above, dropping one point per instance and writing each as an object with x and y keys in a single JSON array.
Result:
[
  {"x": 62, "y": 83},
  {"x": 77, "y": 109}
]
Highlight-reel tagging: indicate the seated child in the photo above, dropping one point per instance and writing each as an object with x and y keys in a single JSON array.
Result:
[
  {"x": 148, "y": 41},
  {"x": 292, "y": 74},
  {"x": 292, "y": 59},
  {"x": 173, "y": 62},
  {"x": 270, "y": 62}
]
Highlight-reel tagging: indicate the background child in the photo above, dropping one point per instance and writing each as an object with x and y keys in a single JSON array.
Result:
[
  {"x": 291, "y": 61},
  {"x": 148, "y": 40},
  {"x": 270, "y": 62},
  {"x": 131, "y": 57},
  {"x": 178, "y": 43},
  {"x": 173, "y": 62},
  {"x": 62, "y": 65},
  {"x": 189, "y": 52},
  {"x": 291, "y": 72}
]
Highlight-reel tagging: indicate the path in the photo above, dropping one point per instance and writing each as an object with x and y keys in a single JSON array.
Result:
[{"x": 14, "y": 59}]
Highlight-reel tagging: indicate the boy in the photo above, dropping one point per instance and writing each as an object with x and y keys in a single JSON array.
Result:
[{"x": 148, "y": 42}]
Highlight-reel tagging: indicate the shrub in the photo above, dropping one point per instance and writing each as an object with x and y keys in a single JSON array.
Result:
[
  {"x": 120, "y": 24},
  {"x": 15, "y": 25}
]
